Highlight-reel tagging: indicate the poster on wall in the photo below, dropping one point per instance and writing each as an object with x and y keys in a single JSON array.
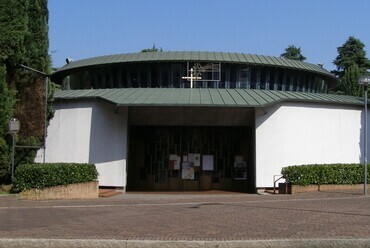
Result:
[
  {"x": 207, "y": 164},
  {"x": 177, "y": 163},
  {"x": 174, "y": 163},
  {"x": 196, "y": 159},
  {"x": 187, "y": 171}
]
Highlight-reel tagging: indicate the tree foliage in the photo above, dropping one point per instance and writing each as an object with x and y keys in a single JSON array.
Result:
[
  {"x": 7, "y": 102},
  {"x": 351, "y": 53},
  {"x": 293, "y": 52},
  {"x": 153, "y": 49},
  {"x": 349, "y": 82},
  {"x": 23, "y": 40}
]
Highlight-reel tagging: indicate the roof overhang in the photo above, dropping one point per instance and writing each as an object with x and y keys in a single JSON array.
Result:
[
  {"x": 192, "y": 56},
  {"x": 202, "y": 97}
]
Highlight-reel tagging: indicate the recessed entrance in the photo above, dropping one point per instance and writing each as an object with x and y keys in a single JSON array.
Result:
[{"x": 191, "y": 158}]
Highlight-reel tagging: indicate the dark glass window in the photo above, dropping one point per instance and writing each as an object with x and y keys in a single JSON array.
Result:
[
  {"x": 165, "y": 78},
  {"x": 280, "y": 80},
  {"x": 272, "y": 79},
  {"x": 144, "y": 79},
  {"x": 133, "y": 79},
  {"x": 253, "y": 77},
  {"x": 154, "y": 75},
  {"x": 263, "y": 75}
]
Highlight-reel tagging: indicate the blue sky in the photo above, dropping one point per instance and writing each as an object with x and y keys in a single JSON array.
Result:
[{"x": 81, "y": 29}]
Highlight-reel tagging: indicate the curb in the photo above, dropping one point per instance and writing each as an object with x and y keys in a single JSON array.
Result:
[{"x": 85, "y": 243}]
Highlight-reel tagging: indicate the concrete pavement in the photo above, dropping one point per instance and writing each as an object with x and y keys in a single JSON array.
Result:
[{"x": 321, "y": 219}]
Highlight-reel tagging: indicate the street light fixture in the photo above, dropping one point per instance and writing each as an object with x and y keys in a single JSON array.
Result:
[
  {"x": 46, "y": 102},
  {"x": 365, "y": 81},
  {"x": 13, "y": 125}
]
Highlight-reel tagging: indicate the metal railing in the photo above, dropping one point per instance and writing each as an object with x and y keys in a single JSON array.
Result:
[{"x": 280, "y": 177}]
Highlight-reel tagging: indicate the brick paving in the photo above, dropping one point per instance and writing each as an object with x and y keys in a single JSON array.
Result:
[{"x": 195, "y": 217}]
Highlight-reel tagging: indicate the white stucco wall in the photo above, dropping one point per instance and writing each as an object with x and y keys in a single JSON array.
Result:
[
  {"x": 89, "y": 132},
  {"x": 300, "y": 133}
]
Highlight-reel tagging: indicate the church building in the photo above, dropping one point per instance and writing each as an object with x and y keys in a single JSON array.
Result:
[{"x": 189, "y": 121}]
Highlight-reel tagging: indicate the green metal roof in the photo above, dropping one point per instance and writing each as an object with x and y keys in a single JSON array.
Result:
[
  {"x": 202, "y": 97},
  {"x": 196, "y": 57}
]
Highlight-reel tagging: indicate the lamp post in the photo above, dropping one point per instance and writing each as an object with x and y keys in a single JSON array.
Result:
[
  {"x": 46, "y": 102},
  {"x": 365, "y": 80},
  {"x": 13, "y": 125}
]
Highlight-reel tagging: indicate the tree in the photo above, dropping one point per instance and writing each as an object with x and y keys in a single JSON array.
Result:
[
  {"x": 293, "y": 52},
  {"x": 349, "y": 82},
  {"x": 153, "y": 49},
  {"x": 351, "y": 53},
  {"x": 23, "y": 40},
  {"x": 7, "y": 102}
]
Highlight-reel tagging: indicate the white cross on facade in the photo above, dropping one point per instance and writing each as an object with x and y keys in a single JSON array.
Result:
[{"x": 192, "y": 77}]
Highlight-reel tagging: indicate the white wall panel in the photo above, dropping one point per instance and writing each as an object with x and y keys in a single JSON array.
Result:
[
  {"x": 297, "y": 134},
  {"x": 89, "y": 132}
]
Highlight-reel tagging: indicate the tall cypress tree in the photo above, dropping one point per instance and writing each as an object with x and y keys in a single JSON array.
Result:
[
  {"x": 351, "y": 53},
  {"x": 31, "y": 95},
  {"x": 7, "y": 101},
  {"x": 23, "y": 40}
]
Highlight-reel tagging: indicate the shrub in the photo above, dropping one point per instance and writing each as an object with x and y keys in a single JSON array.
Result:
[
  {"x": 324, "y": 174},
  {"x": 40, "y": 176}
]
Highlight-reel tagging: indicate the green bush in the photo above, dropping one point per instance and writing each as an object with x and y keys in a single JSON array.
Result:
[
  {"x": 324, "y": 174},
  {"x": 40, "y": 176}
]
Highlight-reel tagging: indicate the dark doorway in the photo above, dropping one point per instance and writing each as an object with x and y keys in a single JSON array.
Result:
[{"x": 172, "y": 158}]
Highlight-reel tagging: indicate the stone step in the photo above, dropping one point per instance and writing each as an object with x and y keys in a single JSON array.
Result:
[{"x": 108, "y": 192}]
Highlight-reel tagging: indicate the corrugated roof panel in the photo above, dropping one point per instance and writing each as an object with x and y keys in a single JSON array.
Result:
[
  {"x": 227, "y": 57},
  {"x": 286, "y": 62},
  {"x": 276, "y": 60},
  {"x": 186, "y": 56},
  {"x": 194, "y": 97},
  {"x": 227, "y": 97},
  {"x": 203, "y": 56},
  {"x": 263, "y": 59},
  {"x": 219, "y": 57},
  {"x": 287, "y": 95},
  {"x": 264, "y": 94},
  {"x": 116, "y": 98},
  {"x": 211, "y": 56},
  {"x": 238, "y": 99},
  {"x": 240, "y": 57},
  {"x": 207, "y": 97},
  {"x": 260, "y": 100},
  {"x": 234, "y": 57},
  {"x": 295, "y": 63},
  {"x": 133, "y": 97},
  {"x": 216, "y": 97},
  {"x": 194, "y": 56},
  {"x": 249, "y": 100},
  {"x": 270, "y": 60},
  {"x": 153, "y": 97},
  {"x": 173, "y": 96},
  {"x": 248, "y": 58},
  {"x": 184, "y": 97},
  {"x": 122, "y": 95},
  {"x": 256, "y": 59}
]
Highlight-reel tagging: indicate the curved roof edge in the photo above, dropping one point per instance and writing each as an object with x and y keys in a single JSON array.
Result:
[
  {"x": 203, "y": 97},
  {"x": 183, "y": 56}
]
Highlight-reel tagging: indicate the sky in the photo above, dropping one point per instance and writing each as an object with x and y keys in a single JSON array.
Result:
[{"x": 80, "y": 29}]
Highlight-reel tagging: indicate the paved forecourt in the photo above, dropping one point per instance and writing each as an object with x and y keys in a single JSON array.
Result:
[{"x": 318, "y": 219}]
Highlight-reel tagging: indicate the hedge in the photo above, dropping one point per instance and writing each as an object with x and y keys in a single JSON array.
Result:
[
  {"x": 41, "y": 176},
  {"x": 324, "y": 174}
]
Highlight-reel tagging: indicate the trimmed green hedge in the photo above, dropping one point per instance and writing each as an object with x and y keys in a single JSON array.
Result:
[
  {"x": 324, "y": 174},
  {"x": 41, "y": 176}
]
